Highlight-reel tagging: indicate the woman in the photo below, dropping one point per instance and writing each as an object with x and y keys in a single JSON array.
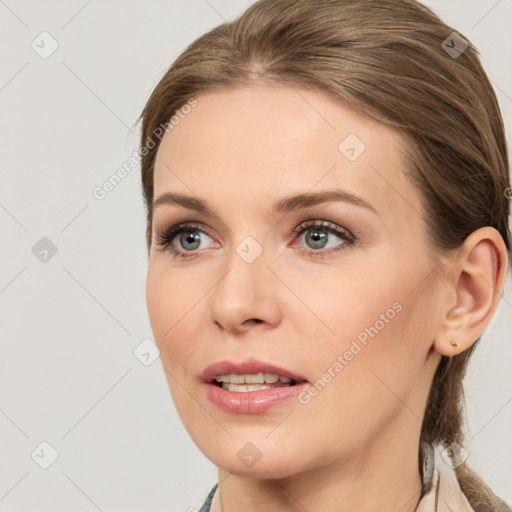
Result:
[{"x": 327, "y": 187}]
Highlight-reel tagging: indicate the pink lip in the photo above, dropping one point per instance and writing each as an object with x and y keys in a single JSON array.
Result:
[
  {"x": 250, "y": 402},
  {"x": 243, "y": 367}
]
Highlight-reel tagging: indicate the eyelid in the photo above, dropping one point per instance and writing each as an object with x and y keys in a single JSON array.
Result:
[{"x": 326, "y": 225}]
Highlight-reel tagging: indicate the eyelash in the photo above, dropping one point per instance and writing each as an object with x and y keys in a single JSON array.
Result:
[{"x": 164, "y": 241}]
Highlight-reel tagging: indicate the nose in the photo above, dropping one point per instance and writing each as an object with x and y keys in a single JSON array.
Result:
[{"x": 246, "y": 296}]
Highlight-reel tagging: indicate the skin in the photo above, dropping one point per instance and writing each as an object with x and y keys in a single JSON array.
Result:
[{"x": 353, "y": 446}]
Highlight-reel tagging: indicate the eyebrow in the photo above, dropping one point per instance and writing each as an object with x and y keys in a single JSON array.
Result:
[{"x": 283, "y": 205}]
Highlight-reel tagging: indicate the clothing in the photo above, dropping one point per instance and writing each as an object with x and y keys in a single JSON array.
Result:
[
  {"x": 208, "y": 503},
  {"x": 440, "y": 492}
]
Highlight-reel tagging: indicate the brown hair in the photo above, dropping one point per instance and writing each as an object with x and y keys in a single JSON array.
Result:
[{"x": 388, "y": 60}]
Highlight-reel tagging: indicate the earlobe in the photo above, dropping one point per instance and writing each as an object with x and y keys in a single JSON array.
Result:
[
  {"x": 450, "y": 340},
  {"x": 455, "y": 346},
  {"x": 477, "y": 280}
]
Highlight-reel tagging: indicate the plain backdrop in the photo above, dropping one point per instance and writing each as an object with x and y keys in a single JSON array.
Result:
[{"x": 73, "y": 267}]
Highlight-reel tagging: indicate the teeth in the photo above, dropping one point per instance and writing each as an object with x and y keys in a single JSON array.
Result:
[
  {"x": 244, "y": 387},
  {"x": 253, "y": 378}
]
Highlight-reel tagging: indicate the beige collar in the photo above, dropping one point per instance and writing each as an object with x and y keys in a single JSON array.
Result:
[{"x": 442, "y": 492}]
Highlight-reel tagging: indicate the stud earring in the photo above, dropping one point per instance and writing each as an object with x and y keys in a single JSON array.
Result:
[{"x": 455, "y": 345}]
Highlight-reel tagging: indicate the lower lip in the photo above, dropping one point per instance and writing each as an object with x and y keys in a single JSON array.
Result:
[{"x": 251, "y": 402}]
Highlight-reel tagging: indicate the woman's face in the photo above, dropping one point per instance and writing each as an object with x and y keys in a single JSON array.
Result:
[{"x": 338, "y": 295}]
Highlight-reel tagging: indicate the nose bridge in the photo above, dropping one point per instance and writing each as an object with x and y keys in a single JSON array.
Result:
[{"x": 246, "y": 290}]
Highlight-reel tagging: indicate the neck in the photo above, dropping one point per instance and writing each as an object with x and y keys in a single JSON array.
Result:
[{"x": 383, "y": 476}]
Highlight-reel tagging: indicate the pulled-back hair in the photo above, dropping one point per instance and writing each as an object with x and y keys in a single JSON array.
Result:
[{"x": 388, "y": 60}]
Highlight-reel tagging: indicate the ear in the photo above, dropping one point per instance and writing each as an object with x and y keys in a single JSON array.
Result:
[{"x": 476, "y": 280}]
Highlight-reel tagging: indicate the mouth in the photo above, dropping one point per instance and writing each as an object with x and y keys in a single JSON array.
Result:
[
  {"x": 249, "y": 375},
  {"x": 243, "y": 383},
  {"x": 250, "y": 386}
]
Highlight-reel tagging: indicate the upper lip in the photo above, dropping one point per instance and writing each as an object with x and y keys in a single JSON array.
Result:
[{"x": 249, "y": 366}]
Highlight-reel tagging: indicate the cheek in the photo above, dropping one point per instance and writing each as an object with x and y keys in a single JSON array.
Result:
[
  {"x": 368, "y": 369},
  {"x": 349, "y": 304},
  {"x": 170, "y": 304},
  {"x": 371, "y": 317},
  {"x": 173, "y": 304}
]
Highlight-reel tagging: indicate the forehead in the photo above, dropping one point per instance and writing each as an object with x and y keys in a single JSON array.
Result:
[{"x": 261, "y": 141}]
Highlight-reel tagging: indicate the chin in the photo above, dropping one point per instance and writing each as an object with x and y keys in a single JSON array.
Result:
[
  {"x": 259, "y": 458},
  {"x": 264, "y": 468}
]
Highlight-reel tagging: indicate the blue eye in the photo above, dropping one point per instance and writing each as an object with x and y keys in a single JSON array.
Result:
[
  {"x": 185, "y": 240},
  {"x": 189, "y": 238},
  {"x": 316, "y": 235}
]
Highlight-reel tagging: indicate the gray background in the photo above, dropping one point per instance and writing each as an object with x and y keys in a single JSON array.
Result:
[{"x": 70, "y": 324}]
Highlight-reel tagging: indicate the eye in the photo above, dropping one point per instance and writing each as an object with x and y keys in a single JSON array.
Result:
[
  {"x": 187, "y": 235},
  {"x": 187, "y": 239},
  {"x": 318, "y": 235}
]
